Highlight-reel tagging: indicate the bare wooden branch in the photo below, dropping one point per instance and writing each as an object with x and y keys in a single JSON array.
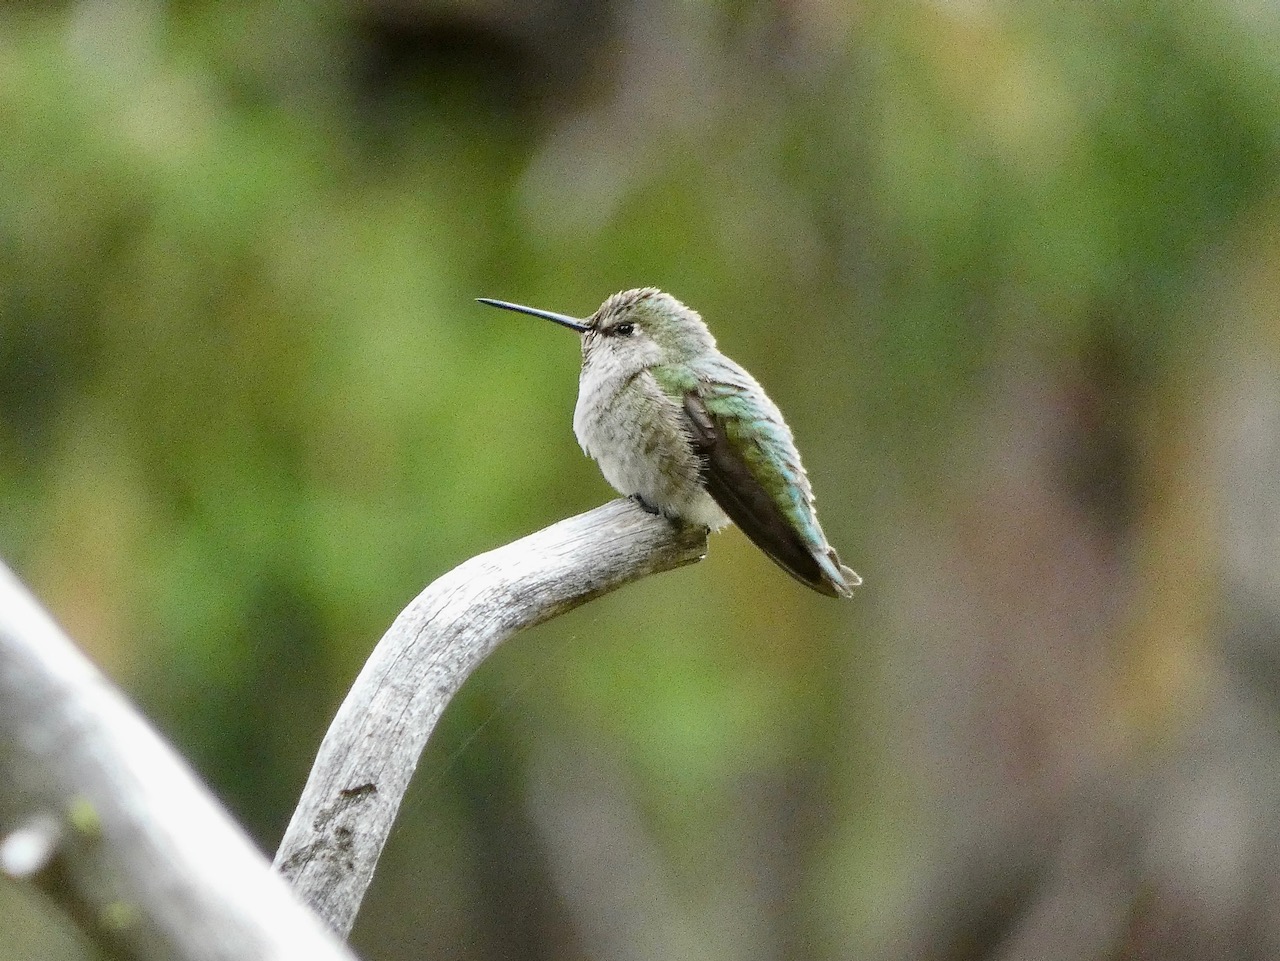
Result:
[
  {"x": 104, "y": 816},
  {"x": 366, "y": 760}
]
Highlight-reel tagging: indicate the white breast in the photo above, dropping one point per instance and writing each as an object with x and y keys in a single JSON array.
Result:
[{"x": 636, "y": 434}]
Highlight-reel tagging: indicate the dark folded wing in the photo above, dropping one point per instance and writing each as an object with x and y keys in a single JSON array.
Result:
[{"x": 740, "y": 473}]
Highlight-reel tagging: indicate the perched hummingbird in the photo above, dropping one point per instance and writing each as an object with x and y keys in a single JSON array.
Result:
[{"x": 688, "y": 433}]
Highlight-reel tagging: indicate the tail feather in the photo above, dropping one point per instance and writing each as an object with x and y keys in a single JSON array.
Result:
[{"x": 842, "y": 579}]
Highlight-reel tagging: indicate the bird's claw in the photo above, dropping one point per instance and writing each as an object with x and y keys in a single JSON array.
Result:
[{"x": 645, "y": 505}]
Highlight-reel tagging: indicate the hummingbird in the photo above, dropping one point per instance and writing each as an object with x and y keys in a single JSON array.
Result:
[{"x": 689, "y": 434}]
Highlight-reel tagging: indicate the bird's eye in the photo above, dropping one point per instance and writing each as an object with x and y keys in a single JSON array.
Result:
[{"x": 625, "y": 330}]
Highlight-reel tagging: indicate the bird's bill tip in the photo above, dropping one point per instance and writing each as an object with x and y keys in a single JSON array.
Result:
[{"x": 573, "y": 323}]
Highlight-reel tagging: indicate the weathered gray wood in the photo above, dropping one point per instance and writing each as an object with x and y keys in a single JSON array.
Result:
[
  {"x": 368, "y": 756},
  {"x": 105, "y": 817}
]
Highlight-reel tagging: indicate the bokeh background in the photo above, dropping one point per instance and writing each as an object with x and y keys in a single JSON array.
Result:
[{"x": 1011, "y": 269}]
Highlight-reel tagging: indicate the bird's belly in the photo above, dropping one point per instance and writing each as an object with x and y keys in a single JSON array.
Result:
[{"x": 638, "y": 438}]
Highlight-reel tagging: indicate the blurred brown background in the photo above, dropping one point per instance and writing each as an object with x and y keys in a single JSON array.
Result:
[{"x": 1011, "y": 269}]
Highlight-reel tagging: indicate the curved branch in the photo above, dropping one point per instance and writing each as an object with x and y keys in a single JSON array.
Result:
[
  {"x": 99, "y": 812},
  {"x": 365, "y": 762}
]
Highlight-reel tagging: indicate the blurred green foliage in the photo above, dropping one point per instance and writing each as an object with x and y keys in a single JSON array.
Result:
[{"x": 248, "y": 408}]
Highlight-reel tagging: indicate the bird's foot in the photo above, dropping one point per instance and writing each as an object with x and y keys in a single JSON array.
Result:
[
  {"x": 675, "y": 519},
  {"x": 645, "y": 505}
]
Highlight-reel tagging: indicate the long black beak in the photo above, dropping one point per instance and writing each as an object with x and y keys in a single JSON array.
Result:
[{"x": 564, "y": 321}]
